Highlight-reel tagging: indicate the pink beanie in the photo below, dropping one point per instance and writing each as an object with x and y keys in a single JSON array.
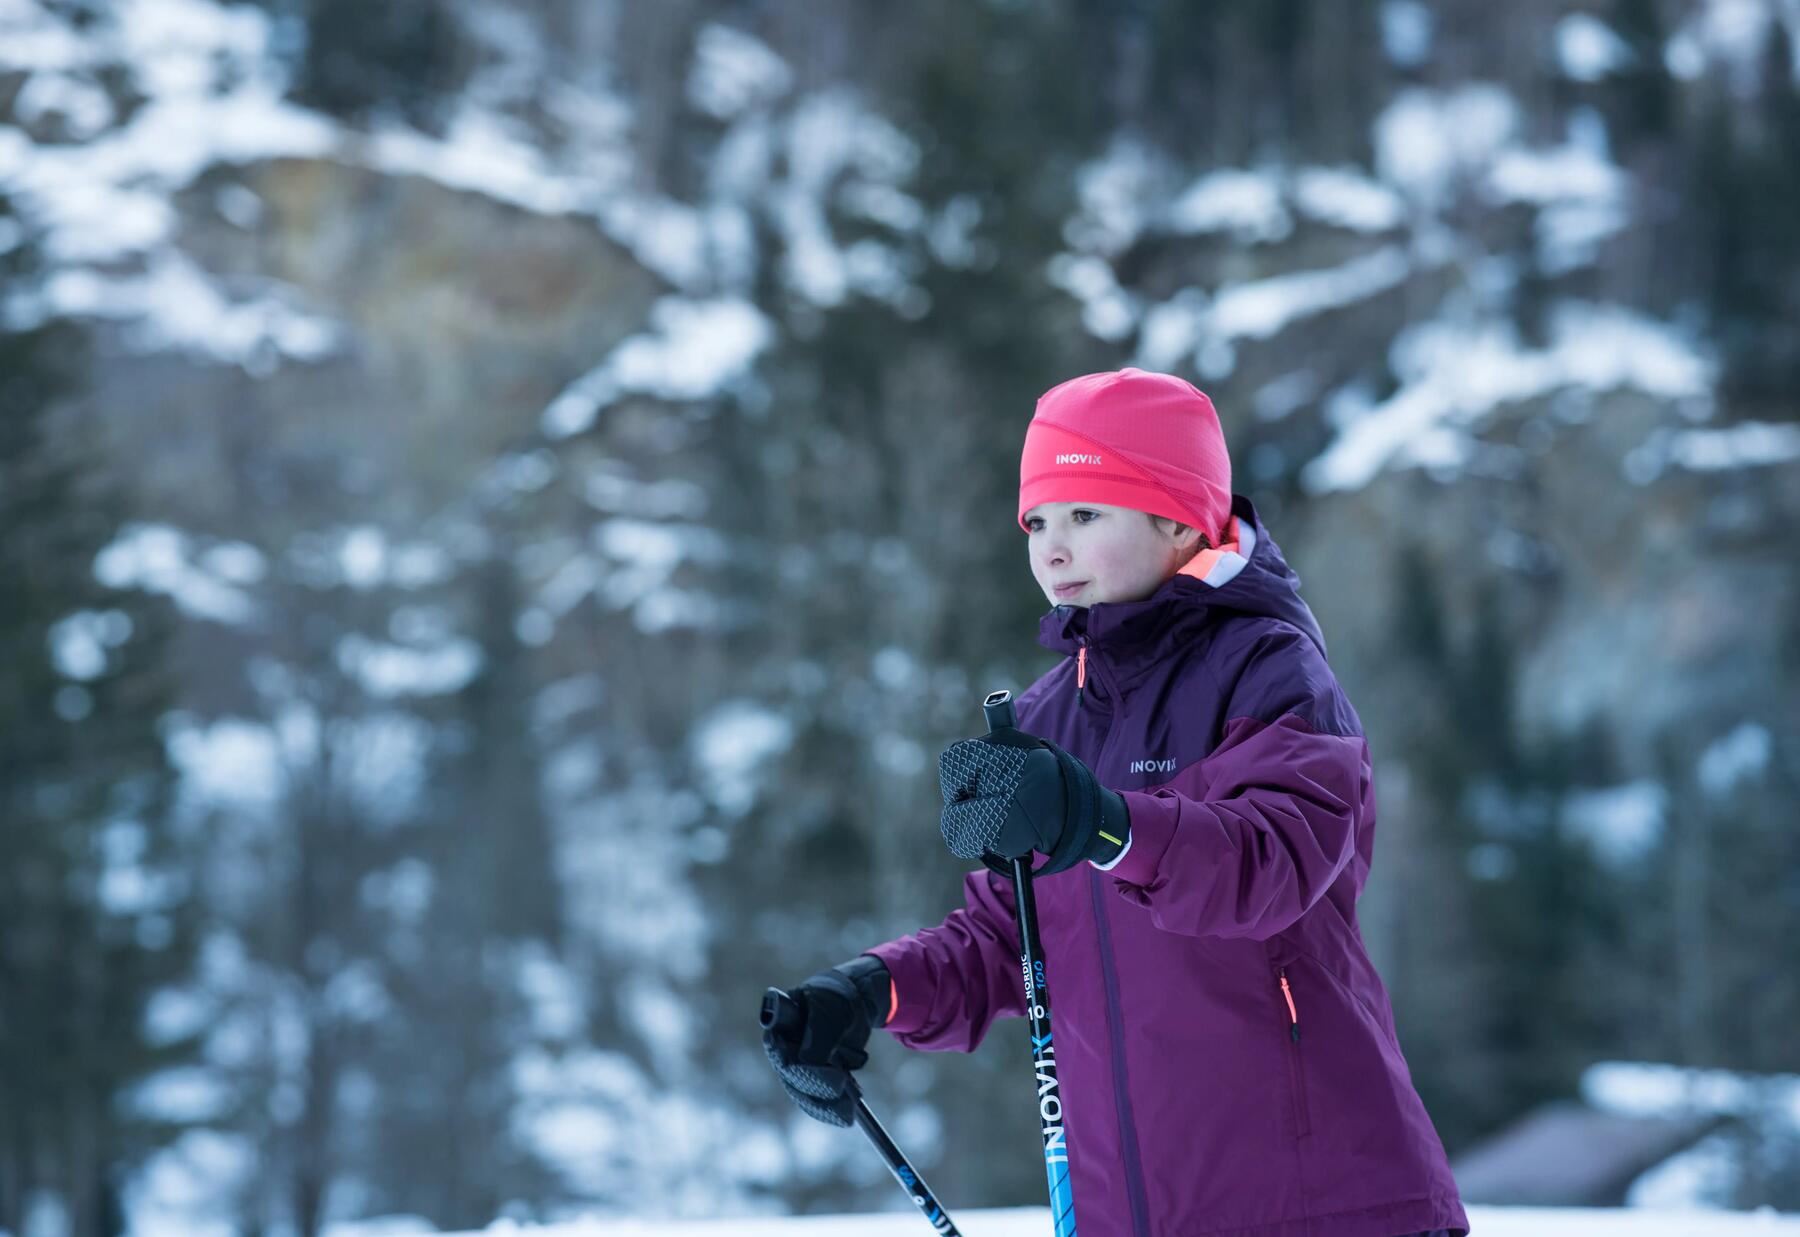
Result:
[{"x": 1147, "y": 441}]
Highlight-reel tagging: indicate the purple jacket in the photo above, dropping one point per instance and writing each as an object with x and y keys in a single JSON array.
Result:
[{"x": 1226, "y": 1051}]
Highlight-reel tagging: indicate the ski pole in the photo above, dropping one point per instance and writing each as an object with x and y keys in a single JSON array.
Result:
[
  {"x": 998, "y": 709},
  {"x": 780, "y": 1011}
]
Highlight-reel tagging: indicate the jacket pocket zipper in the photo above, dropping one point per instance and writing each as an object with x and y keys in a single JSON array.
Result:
[{"x": 1296, "y": 1075}]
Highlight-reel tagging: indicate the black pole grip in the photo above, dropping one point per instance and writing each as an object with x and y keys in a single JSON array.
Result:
[
  {"x": 780, "y": 1012},
  {"x": 998, "y": 707}
]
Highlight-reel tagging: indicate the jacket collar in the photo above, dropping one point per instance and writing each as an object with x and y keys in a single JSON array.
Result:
[{"x": 1257, "y": 581}]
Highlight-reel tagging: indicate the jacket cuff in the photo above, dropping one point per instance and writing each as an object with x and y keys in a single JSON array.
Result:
[
  {"x": 908, "y": 1007},
  {"x": 1152, "y": 829}
]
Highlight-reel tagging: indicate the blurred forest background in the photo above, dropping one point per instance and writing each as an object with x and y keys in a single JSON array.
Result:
[{"x": 501, "y": 504}]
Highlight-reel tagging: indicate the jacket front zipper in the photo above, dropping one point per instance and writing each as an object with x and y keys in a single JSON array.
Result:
[
  {"x": 1115, "y": 1017},
  {"x": 1082, "y": 662},
  {"x": 1128, "y": 1143}
]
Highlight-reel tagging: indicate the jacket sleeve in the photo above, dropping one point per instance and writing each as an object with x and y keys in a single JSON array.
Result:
[
  {"x": 1245, "y": 841},
  {"x": 952, "y": 981}
]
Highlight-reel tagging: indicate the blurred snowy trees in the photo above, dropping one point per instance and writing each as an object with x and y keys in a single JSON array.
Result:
[{"x": 506, "y": 502}]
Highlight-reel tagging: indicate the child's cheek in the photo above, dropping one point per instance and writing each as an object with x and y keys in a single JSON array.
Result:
[{"x": 1104, "y": 562}]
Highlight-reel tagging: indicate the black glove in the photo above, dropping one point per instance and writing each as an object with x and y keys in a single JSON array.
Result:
[
  {"x": 817, "y": 1042},
  {"x": 1009, "y": 793}
]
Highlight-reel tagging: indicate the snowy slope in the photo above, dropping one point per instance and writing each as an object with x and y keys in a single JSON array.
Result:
[{"x": 1035, "y": 1222}]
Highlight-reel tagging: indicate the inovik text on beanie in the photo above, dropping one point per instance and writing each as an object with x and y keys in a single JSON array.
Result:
[{"x": 1129, "y": 438}]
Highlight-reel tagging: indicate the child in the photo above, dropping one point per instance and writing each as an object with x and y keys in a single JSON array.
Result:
[{"x": 1226, "y": 1051}]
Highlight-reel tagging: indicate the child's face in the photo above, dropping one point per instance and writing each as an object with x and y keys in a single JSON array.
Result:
[{"x": 1108, "y": 553}]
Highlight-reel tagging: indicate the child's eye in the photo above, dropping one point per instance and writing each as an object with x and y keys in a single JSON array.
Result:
[{"x": 1032, "y": 523}]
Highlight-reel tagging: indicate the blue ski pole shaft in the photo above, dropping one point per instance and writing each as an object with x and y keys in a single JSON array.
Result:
[
  {"x": 998, "y": 708},
  {"x": 779, "y": 1009}
]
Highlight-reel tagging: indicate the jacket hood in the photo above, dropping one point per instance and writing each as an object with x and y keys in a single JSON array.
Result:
[{"x": 1263, "y": 585}]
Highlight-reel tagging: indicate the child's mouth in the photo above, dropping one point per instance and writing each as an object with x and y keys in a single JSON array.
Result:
[{"x": 1069, "y": 590}]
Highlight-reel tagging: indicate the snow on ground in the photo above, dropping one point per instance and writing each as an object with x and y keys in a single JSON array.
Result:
[{"x": 1035, "y": 1222}]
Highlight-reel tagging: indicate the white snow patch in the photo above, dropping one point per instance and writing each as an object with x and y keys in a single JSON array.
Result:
[
  {"x": 186, "y": 1095},
  {"x": 185, "y": 1189},
  {"x": 403, "y": 891},
  {"x": 1581, "y": 194},
  {"x": 1189, "y": 325},
  {"x": 694, "y": 348},
  {"x": 1580, "y": 169},
  {"x": 1650, "y": 1089},
  {"x": 1621, "y": 823},
  {"x": 77, "y": 101},
  {"x": 213, "y": 94},
  {"x": 391, "y": 670},
  {"x": 646, "y": 555},
  {"x": 174, "y": 304},
  {"x": 669, "y": 498},
  {"x": 693, "y": 248},
  {"x": 1347, "y": 198},
  {"x": 230, "y": 761},
  {"x": 1406, "y": 32},
  {"x": 831, "y": 140},
  {"x": 1425, "y": 141},
  {"x": 1172, "y": 330},
  {"x": 1748, "y": 444},
  {"x": 1739, "y": 756},
  {"x": 32, "y": 38},
  {"x": 483, "y": 153},
  {"x": 79, "y": 642},
  {"x": 127, "y": 887},
  {"x": 888, "y": 206},
  {"x": 1587, "y": 49},
  {"x": 158, "y": 559},
  {"x": 1731, "y": 33},
  {"x": 1261, "y": 309},
  {"x": 1707, "y": 1174},
  {"x": 597, "y": 1119},
  {"x": 235, "y": 562},
  {"x": 173, "y": 1014},
  {"x": 732, "y": 748},
  {"x": 1108, "y": 311},
  {"x": 575, "y": 579},
  {"x": 1453, "y": 375},
  {"x": 551, "y": 994},
  {"x": 361, "y": 556},
  {"x": 733, "y": 72},
  {"x": 1247, "y": 205},
  {"x": 1111, "y": 192},
  {"x": 380, "y": 757}
]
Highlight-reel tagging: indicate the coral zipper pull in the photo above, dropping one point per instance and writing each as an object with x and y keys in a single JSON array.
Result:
[
  {"x": 1293, "y": 1014},
  {"x": 1080, "y": 673}
]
